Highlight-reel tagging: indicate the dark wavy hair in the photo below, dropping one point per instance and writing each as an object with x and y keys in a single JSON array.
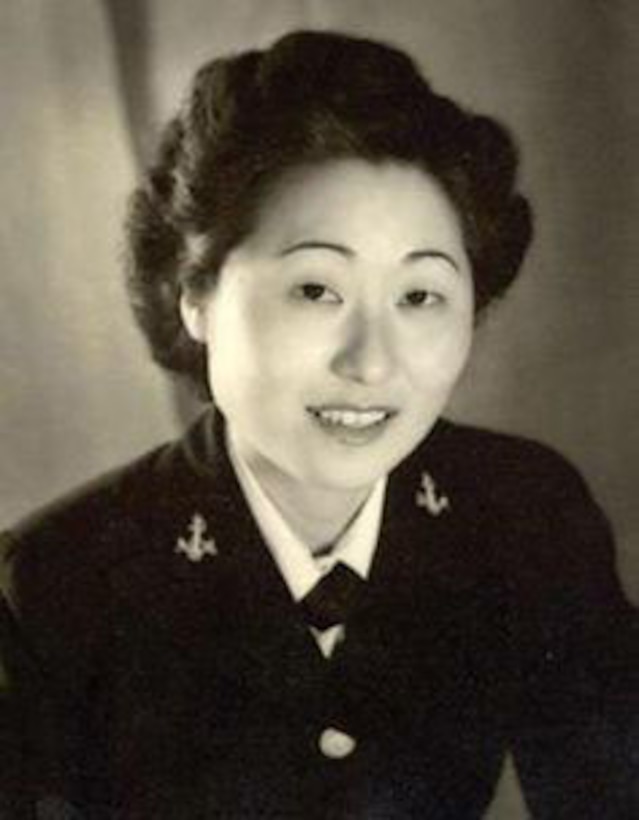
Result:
[{"x": 311, "y": 97}]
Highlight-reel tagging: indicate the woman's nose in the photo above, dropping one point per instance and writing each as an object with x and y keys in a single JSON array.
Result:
[{"x": 366, "y": 354}]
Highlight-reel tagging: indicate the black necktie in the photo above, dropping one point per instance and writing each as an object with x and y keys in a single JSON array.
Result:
[{"x": 334, "y": 598}]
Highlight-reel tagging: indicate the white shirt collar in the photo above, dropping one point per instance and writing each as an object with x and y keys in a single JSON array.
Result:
[{"x": 299, "y": 569}]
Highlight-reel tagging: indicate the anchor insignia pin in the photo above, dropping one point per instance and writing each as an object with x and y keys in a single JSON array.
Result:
[
  {"x": 429, "y": 498},
  {"x": 196, "y": 546}
]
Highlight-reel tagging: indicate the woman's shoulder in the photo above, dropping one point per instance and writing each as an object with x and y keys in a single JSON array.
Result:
[
  {"x": 527, "y": 491},
  {"x": 123, "y": 513},
  {"x": 499, "y": 464},
  {"x": 526, "y": 500},
  {"x": 126, "y": 493},
  {"x": 79, "y": 533},
  {"x": 68, "y": 568}
]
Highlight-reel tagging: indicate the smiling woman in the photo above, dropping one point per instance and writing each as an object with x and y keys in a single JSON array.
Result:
[
  {"x": 325, "y": 601},
  {"x": 336, "y": 332}
]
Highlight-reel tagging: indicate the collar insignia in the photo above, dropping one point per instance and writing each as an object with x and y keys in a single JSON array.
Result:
[
  {"x": 430, "y": 499},
  {"x": 196, "y": 546}
]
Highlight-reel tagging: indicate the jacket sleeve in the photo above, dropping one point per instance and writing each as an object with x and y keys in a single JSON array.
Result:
[
  {"x": 18, "y": 684},
  {"x": 36, "y": 733},
  {"x": 575, "y": 643},
  {"x": 12, "y": 781}
]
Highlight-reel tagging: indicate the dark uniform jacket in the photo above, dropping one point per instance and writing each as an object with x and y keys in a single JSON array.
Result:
[{"x": 157, "y": 667}]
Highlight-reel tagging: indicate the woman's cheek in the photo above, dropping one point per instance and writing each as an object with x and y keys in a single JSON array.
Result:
[
  {"x": 440, "y": 354},
  {"x": 301, "y": 337}
]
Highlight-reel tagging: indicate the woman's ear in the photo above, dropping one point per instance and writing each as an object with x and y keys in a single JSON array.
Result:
[{"x": 192, "y": 311}]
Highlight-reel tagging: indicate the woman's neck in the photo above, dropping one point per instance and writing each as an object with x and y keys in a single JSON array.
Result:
[{"x": 316, "y": 514}]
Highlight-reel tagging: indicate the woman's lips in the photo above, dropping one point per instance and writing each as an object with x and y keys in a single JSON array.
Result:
[{"x": 352, "y": 425}]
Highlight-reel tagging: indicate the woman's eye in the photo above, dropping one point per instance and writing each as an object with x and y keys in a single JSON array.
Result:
[
  {"x": 420, "y": 298},
  {"x": 315, "y": 292}
]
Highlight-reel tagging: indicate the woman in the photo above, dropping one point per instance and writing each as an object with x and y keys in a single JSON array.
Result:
[{"x": 312, "y": 249}]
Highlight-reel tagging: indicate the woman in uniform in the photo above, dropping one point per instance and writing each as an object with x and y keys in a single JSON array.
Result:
[{"x": 325, "y": 600}]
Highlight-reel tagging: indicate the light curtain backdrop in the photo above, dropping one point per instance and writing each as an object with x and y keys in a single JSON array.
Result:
[
  {"x": 84, "y": 85},
  {"x": 76, "y": 394}
]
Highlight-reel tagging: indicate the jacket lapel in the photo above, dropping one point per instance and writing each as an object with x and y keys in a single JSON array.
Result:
[
  {"x": 426, "y": 585},
  {"x": 212, "y": 590}
]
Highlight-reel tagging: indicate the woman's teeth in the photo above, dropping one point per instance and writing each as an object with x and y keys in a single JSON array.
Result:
[{"x": 357, "y": 419}]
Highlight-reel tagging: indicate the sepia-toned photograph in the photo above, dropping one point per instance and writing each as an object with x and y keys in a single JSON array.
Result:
[{"x": 319, "y": 401}]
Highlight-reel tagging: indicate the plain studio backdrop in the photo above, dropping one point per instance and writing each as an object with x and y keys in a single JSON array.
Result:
[{"x": 84, "y": 86}]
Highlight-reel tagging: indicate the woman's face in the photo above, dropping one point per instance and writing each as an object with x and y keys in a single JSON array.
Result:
[{"x": 338, "y": 328}]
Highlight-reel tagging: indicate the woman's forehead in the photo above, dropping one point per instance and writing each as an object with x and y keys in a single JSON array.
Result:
[{"x": 351, "y": 202}]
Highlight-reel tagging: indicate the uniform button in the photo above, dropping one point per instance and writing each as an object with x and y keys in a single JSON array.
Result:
[{"x": 336, "y": 744}]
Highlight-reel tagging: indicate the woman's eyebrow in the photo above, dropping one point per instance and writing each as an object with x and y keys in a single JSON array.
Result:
[
  {"x": 418, "y": 256},
  {"x": 317, "y": 244},
  {"x": 349, "y": 253}
]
